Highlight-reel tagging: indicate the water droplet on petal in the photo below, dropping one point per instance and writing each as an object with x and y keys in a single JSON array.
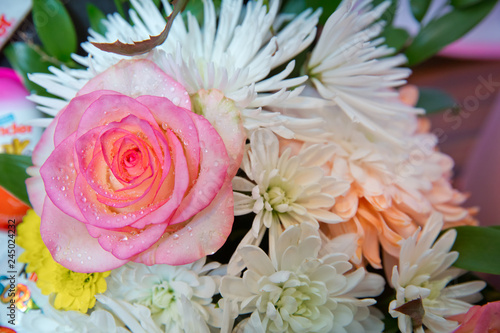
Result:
[{"x": 176, "y": 237}]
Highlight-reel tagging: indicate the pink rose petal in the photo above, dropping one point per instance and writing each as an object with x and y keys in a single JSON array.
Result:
[
  {"x": 136, "y": 78},
  {"x": 71, "y": 245},
  {"x": 128, "y": 242},
  {"x": 213, "y": 171},
  {"x": 69, "y": 117},
  {"x": 179, "y": 121},
  {"x": 58, "y": 174},
  {"x": 202, "y": 235},
  {"x": 113, "y": 108}
]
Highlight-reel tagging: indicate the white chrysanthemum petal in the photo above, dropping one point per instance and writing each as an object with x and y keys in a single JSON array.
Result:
[
  {"x": 423, "y": 272},
  {"x": 348, "y": 67},
  {"x": 165, "y": 289},
  {"x": 232, "y": 51},
  {"x": 285, "y": 191},
  {"x": 300, "y": 292}
]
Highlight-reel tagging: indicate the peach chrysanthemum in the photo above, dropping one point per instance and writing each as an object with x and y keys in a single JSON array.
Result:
[{"x": 393, "y": 190}]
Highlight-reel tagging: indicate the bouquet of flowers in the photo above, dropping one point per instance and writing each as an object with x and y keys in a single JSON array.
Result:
[{"x": 234, "y": 166}]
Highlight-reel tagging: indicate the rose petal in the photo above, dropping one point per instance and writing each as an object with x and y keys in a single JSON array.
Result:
[
  {"x": 225, "y": 117},
  {"x": 175, "y": 192},
  {"x": 69, "y": 117},
  {"x": 58, "y": 174},
  {"x": 128, "y": 242},
  {"x": 139, "y": 77},
  {"x": 213, "y": 171},
  {"x": 42, "y": 151},
  {"x": 203, "y": 235},
  {"x": 70, "y": 244},
  {"x": 179, "y": 121},
  {"x": 113, "y": 108}
]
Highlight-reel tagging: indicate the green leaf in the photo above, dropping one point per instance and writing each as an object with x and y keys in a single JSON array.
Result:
[
  {"x": 13, "y": 174},
  {"x": 55, "y": 28},
  {"x": 419, "y": 8},
  {"x": 479, "y": 249},
  {"x": 24, "y": 59},
  {"x": 293, "y": 6},
  {"x": 119, "y": 8},
  {"x": 464, "y": 3},
  {"x": 446, "y": 29},
  {"x": 96, "y": 16},
  {"x": 435, "y": 100},
  {"x": 395, "y": 37},
  {"x": 328, "y": 8}
]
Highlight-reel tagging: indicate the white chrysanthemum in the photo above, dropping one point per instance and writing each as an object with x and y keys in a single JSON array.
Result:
[
  {"x": 109, "y": 316},
  {"x": 170, "y": 292},
  {"x": 349, "y": 66},
  {"x": 298, "y": 292},
  {"x": 424, "y": 272},
  {"x": 233, "y": 52},
  {"x": 284, "y": 190}
]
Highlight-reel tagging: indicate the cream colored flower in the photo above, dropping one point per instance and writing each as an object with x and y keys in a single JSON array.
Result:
[
  {"x": 285, "y": 189},
  {"x": 350, "y": 66},
  {"x": 298, "y": 292},
  {"x": 170, "y": 292},
  {"x": 423, "y": 272}
]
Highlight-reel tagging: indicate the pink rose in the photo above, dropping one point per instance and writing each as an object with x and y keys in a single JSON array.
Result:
[
  {"x": 480, "y": 319},
  {"x": 129, "y": 173}
]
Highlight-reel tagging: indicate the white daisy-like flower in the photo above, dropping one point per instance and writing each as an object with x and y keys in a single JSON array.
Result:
[
  {"x": 423, "y": 274},
  {"x": 233, "y": 52},
  {"x": 298, "y": 292},
  {"x": 109, "y": 316},
  {"x": 349, "y": 66},
  {"x": 284, "y": 190},
  {"x": 170, "y": 292}
]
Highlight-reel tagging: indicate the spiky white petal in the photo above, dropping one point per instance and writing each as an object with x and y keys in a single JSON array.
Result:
[
  {"x": 348, "y": 67},
  {"x": 424, "y": 272},
  {"x": 233, "y": 52}
]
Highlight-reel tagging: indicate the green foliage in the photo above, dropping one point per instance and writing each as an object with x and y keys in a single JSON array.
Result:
[
  {"x": 464, "y": 3},
  {"x": 24, "y": 59},
  {"x": 419, "y": 8},
  {"x": 446, "y": 29},
  {"x": 298, "y": 6},
  {"x": 96, "y": 16},
  {"x": 479, "y": 249},
  {"x": 55, "y": 29},
  {"x": 13, "y": 174},
  {"x": 395, "y": 37},
  {"x": 435, "y": 100}
]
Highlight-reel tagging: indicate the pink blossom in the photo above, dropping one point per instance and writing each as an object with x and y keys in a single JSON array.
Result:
[
  {"x": 480, "y": 319},
  {"x": 127, "y": 172}
]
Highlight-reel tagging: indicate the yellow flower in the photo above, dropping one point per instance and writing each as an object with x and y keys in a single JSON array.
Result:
[{"x": 71, "y": 290}]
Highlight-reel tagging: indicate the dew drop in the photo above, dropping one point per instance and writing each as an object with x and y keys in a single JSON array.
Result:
[
  {"x": 216, "y": 164},
  {"x": 172, "y": 89},
  {"x": 58, "y": 178},
  {"x": 176, "y": 100},
  {"x": 70, "y": 260},
  {"x": 63, "y": 188},
  {"x": 84, "y": 199},
  {"x": 89, "y": 258},
  {"x": 79, "y": 255},
  {"x": 176, "y": 237},
  {"x": 58, "y": 248}
]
